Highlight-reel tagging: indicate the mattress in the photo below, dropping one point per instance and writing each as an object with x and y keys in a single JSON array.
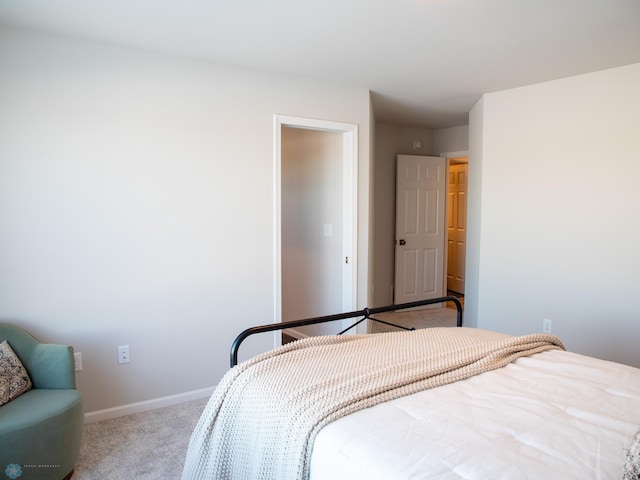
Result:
[{"x": 551, "y": 415}]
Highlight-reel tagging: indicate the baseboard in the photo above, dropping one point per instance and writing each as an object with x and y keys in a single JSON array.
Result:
[
  {"x": 122, "y": 410},
  {"x": 297, "y": 334}
]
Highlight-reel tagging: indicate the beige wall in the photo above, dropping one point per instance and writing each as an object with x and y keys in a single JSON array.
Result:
[
  {"x": 556, "y": 206},
  {"x": 136, "y": 207},
  {"x": 390, "y": 140},
  {"x": 449, "y": 140}
]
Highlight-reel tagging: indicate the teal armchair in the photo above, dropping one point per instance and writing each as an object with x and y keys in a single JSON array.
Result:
[{"x": 41, "y": 430}]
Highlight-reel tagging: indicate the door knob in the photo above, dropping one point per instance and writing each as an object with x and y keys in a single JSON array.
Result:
[{"x": 402, "y": 241}]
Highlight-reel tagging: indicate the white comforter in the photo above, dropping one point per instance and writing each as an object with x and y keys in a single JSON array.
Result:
[{"x": 554, "y": 415}]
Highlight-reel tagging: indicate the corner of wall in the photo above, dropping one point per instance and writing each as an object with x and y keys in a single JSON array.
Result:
[{"x": 474, "y": 210}]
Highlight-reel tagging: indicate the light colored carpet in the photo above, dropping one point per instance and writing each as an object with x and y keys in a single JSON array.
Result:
[
  {"x": 152, "y": 445},
  {"x": 146, "y": 446},
  {"x": 425, "y": 318}
]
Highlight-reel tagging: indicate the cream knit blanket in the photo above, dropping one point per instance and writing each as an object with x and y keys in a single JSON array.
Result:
[{"x": 261, "y": 421}]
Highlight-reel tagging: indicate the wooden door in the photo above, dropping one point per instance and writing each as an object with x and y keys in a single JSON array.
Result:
[
  {"x": 457, "y": 227},
  {"x": 420, "y": 228}
]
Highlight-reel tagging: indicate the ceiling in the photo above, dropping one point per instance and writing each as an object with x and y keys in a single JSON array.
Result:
[{"x": 426, "y": 61}]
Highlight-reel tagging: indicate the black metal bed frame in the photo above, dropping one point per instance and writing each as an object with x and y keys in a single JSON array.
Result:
[{"x": 364, "y": 313}]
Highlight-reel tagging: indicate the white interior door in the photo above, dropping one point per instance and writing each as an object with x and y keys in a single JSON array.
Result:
[
  {"x": 457, "y": 223},
  {"x": 420, "y": 228}
]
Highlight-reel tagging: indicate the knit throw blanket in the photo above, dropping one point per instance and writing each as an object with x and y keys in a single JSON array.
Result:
[{"x": 261, "y": 421}]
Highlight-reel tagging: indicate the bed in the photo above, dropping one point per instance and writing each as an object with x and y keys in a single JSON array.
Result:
[{"x": 441, "y": 403}]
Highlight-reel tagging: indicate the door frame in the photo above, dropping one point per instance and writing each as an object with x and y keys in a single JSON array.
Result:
[{"x": 349, "y": 203}]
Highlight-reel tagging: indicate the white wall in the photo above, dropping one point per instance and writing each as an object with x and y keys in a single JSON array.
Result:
[
  {"x": 136, "y": 206},
  {"x": 474, "y": 214},
  {"x": 555, "y": 170},
  {"x": 390, "y": 141},
  {"x": 312, "y": 258}
]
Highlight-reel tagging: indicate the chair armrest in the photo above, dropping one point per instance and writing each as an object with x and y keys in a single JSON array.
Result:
[{"x": 52, "y": 366}]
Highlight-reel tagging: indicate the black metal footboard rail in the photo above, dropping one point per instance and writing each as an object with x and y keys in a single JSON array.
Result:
[{"x": 364, "y": 313}]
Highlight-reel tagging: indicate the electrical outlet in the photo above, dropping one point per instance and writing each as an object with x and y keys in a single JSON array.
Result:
[
  {"x": 77, "y": 361},
  {"x": 123, "y": 354},
  {"x": 546, "y": 325}
]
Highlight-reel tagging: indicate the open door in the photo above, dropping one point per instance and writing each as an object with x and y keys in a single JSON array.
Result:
[
  {"x": 420, "y": 233},
  {"x": 315, "y": 220},
  {"x": 457, "y": 227}
]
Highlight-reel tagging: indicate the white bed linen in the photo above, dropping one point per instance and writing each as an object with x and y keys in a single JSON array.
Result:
[{"x": 553, "y": 415}]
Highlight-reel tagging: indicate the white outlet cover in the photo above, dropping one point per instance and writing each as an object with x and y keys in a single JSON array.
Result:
[
  {"x": 77, "y": 361},
  {"x": 123, "y": 354}
]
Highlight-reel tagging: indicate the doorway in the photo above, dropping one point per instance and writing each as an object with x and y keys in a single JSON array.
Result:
[
  {"x": 457, "y": 224},
  {"x": 420, "y": 234},
  {"x": 315, "y": 205}
]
